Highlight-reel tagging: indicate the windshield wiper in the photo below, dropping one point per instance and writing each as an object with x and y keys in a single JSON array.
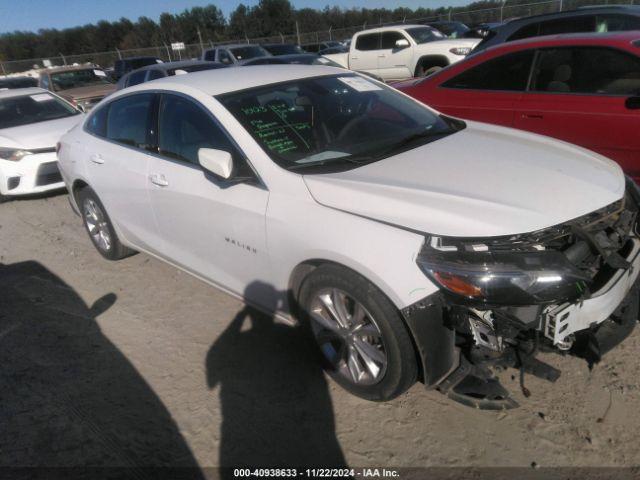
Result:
[
  {"x": 410, "y": 139},
  {"x": 331, "y": 162}
]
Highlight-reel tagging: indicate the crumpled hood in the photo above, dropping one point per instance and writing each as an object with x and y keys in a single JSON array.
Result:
[
  {"x": 38, "y": 135},
  {"x": 481, "y": 181}
]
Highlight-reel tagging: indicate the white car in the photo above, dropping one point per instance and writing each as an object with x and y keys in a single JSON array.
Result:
[
  {"x": 416, "y": 246},
  {"x": 402, "y": 51},
  {"x": 31, "y": 122}
]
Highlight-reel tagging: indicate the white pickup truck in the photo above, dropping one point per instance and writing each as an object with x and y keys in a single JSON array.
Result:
[{"x": 404, "y": 51}]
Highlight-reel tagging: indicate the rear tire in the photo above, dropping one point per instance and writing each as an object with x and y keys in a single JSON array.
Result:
[
  {"x": 364, "y": 343},
  {"x": 99, "y": 226}
]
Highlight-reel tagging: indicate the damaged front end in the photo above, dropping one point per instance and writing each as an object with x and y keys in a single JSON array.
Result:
[{"x": 569, "y": 288}]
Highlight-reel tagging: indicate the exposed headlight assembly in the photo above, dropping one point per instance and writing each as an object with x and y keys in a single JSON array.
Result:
[
  {"x": 472, "y": 272},
  {"x": 460, "y": 50},
  {"x": 13, "y": 154}
]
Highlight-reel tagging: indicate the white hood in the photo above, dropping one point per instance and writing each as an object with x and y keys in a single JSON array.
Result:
[
  {"x": 38, "y": 135},
  {"x": 449, "y": 43},
  {"x": 481, "y": 181}
]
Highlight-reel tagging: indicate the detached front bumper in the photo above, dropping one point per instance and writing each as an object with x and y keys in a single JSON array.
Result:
[
  {"x": 563, "y": 321},
  {"x": 34, "y": 173},
  {"x": 587, "y": 328}
]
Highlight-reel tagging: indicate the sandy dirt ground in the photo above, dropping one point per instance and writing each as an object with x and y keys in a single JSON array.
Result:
[{"x": 135, "y": 363}]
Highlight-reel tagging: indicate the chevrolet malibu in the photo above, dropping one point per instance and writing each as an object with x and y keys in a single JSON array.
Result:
[{"x": 414, "y": 246}]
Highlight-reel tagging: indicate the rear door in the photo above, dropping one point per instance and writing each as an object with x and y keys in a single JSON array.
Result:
[
  {"x": 393, "y": 62},
  {"x": 578, "y": 94},
  {"x": 363, "y": 57},
  {"x": 117, "y": 161},
  {"x": 486, "y": 92},
  {"x": 209, "y": 226}
]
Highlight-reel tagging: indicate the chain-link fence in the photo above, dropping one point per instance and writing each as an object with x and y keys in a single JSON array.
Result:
[{"x": 191, "y": 51}]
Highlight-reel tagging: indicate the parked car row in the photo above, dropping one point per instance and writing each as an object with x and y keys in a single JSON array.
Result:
[
  {"x": 583, "y": 89},
  {"x": 415, "y": 243}
]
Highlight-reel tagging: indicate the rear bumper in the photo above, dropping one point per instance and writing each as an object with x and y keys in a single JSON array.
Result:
[{"x": 32, "y": 174}]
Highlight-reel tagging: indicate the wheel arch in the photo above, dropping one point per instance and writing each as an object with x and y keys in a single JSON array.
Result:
[
  {"x": 427, "y": 61},
  {"x": 305, "y": 268}
]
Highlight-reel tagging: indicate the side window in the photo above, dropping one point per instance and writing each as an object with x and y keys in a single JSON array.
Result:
[
  {"x": 44, "y": 80},
  {"x": 154, "y": 74},
  {"x": 136, "y": 78},
  {"x": 582, "y": 23},
  {"x": 369, "y": 41},
  {"x": 587, "y": 70},
  {"x": 128, "y": 120},
  {"x": 225, "y": 57},
  {"x": 184, "y": 128},
  {"x": 617, "y": 23},
  {"x": 389, "y": 40},
  {"x": 210, "y": 55},
  {"x": 97, "y": 123},
  {"x": 509, "y": 72}
]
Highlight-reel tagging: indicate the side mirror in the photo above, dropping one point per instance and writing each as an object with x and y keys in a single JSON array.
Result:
[
  {"x": 81, "y": 108},
  {"x": 632, "y": 103},
  {"x": 402, "y": 43},
  {"x": 218, "y": 162}
]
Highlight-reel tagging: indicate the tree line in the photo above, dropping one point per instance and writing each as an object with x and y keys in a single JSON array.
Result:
[{"x": 267, "y": 18}]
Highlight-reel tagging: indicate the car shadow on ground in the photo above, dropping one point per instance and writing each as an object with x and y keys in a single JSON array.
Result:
[
  {"x": 276, "y": 408},
  {"x": 69, "y": 397}
]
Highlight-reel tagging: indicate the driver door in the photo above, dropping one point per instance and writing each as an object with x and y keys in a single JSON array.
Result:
[{"x": 211, "y": 227}]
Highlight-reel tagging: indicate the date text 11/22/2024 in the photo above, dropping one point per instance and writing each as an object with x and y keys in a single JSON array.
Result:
[{"x": 315, "y": 473}]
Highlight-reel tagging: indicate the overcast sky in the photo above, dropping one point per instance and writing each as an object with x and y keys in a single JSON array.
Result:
[{"x": 36, "y": 14}]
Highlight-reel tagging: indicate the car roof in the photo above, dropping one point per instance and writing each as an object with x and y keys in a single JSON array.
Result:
[
  {"x": 635, "y": 9},
  {"x": 71, "y": 68},
  {"x": 401, "y": 26},
  {"x": 171, "y": 65},
  {"x": 18, "y": 92},
  {"x": 624, "y": 38},
  {"x": 226, "y": 80},
  {"x": 236, "y": 45}
]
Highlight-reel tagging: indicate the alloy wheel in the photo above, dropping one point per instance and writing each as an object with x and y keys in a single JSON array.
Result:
[
  {"x": 97, "y": 225},
  {"x": 348, "y": 336}
]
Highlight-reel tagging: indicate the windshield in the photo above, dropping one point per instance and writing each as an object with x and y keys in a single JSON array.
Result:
[
  {"x": 453, "y": 30},
  {"x": 78, "y": 78},
  {"x": 244, "y": 53},
  {"x": 26, "y": 109},
  {"x": 284, "y": 49},
  {"x": 424, "y": 34},
  {"x": 333, "y": 123}
]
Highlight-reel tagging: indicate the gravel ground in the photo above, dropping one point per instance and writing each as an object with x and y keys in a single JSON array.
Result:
[{"x": 134, "y": 363}]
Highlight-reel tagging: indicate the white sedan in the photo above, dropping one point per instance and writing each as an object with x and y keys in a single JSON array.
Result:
[
  {"x": 31, "y": 122},
  {"x": 415, "y": 246}
]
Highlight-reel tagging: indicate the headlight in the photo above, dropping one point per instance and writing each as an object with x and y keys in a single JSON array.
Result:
[
  {"x": 460, "y": 50},
  {"x": 13, "y": 154},
  {"x": 474, "y": 273}
]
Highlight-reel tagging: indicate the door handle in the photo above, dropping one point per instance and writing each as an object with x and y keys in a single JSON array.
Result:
[
  {"x": 97, "y": 158},
  {"x": 158, "y": 180},
  {"x": 534, "y": 116},
  {"x": 382, "y": 55}
]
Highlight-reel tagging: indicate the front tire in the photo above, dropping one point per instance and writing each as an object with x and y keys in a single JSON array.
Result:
[
  {"x": 361, "y": 335},
  {"x": 99, "y": 226}
]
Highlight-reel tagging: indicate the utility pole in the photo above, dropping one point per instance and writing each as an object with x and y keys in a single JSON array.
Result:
[
  {"x": 330, "y": 37},
  {"x": 561, "y": 5},
  {"x": 119, "y": 54},
  {"x": 201, "y": 44},
  {"x": 450, "y": 9},
  {"x": 297, "y": 32},
  {"x": 504, "y": 2},
  {"x": 63, "y": 59},
  {"x": 168, "y": 52}
]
